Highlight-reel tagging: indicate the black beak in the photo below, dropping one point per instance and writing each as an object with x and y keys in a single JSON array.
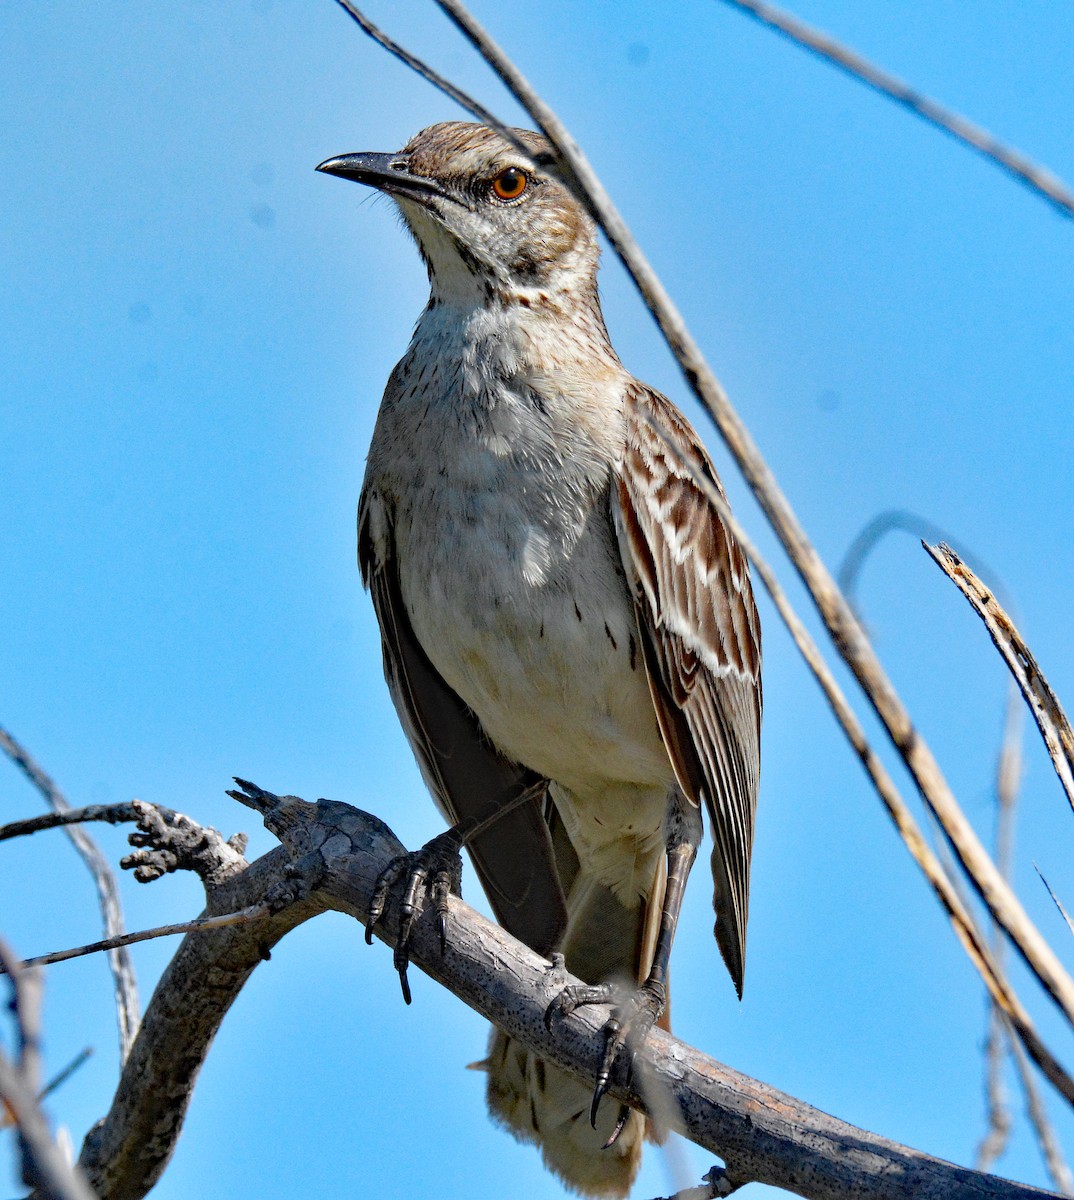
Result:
[{"x": 386, "y": 172}]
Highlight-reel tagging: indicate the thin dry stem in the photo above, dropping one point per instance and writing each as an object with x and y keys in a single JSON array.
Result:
[
  {"x": 44, "y": 1166},
  {"x": 244, "y": 916},
  {"x": 1043, "y": 702},
  {"x": 1055, "y": 900},
  {"x": 895, "y": 520},
  {"x": 1050, "y": 1149},
  {"x": 124, "y": 981},
  {"x": 1008, "y": 777},
  {"x": 1036, "y": 178}
]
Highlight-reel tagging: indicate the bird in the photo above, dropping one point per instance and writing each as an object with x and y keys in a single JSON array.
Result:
[{"x": 569, "y": 631}]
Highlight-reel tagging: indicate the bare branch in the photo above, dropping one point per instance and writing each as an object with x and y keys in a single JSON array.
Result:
[
  {"x": 1043, "y": 702},
  {"x": 1008, "y": 777},
  {"x": 890, "y": 521},
  {"x": 243, "y": 916},
  {"x": 61, "y": 1077},
  {"x": 124, "y": 982},
  {"x": 997, "y": 1133},
  {"x": 26, "y": 986},
  {"x": 169, "y": 841},
  {"x": 1056, "y": 901},
  {"x": 331, "y": 857},
  {"x": 1050, "y": 1149},
  {"x": 716, "y": 1184},
  {"x": 113, "y": 814},
  {"x": 1035, "y": 177},
  {"x": 44, "y": 1166},
  {"x": 421, "y": 68}
]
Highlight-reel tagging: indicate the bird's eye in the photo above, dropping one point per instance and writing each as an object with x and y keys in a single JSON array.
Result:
[{"x": 510, "y": 184}]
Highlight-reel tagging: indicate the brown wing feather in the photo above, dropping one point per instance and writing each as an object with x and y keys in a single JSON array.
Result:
[
  {"x": 514, "y": 858},
  {"x": 702, "y": 642}
]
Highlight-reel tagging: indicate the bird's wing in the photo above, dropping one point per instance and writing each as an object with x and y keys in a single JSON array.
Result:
[
  {"x": 702, "y": 640},
  {"x": 515, "y": 857}
]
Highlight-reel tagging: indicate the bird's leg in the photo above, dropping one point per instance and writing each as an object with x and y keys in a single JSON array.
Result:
[
  {"x": 635, "y": 1013},
  {"x": 434, "y": 872}
]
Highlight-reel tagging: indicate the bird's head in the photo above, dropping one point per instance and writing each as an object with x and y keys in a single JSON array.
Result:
[{"x": 489, "y": 219}]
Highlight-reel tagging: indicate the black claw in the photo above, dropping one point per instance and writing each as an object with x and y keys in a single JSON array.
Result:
[
  {"x": 620, "y": 1125},
  {"x": 560, "y": 1007},
  {"x": 404, "y": 983},
  {"x": 604, "y": 1076},
  {"x": 426, "y": 879},
  {"x": 598, "y": 1095}
]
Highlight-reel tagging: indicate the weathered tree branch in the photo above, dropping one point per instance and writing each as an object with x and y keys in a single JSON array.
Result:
[{"x": 330, "y": 857}]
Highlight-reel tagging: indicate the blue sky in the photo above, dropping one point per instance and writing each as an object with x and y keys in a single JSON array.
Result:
[{"x": 197, "y": 328}]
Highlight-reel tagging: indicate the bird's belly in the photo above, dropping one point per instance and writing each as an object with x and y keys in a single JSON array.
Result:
[{"x": 544, "y": 648}]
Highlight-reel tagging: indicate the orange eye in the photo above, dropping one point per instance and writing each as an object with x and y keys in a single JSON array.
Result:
[{"x": 510, "y": 184}]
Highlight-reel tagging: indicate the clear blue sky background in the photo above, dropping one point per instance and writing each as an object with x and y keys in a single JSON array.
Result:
[{"x": 196, "y": 331}]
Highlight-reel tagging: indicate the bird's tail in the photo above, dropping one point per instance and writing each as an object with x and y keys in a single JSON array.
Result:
[{"x": 540, "y": 1103}]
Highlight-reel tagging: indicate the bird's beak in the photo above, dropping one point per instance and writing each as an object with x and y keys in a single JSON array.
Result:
[{"x": 387, "y": 172}]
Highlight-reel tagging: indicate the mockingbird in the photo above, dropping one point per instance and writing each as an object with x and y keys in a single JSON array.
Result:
[{"x": 568, "y": 626}]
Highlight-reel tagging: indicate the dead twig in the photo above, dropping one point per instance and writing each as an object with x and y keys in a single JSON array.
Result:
[
  {"x": 44, "y": 1166},
  {"x": 1050, "y": 1149},
  {"x": 1036, "y": 178},
  {"x": 244, "y": 916},
  {"x": 53, "y": 1084},
  {"x": 124, "y": 982},
  {"x": 61, "y": 1077},
  {"x": 1055, "y": 900},
  {"x": 1043, "y": 703},
  {"x": 461, "y": 98},
  {"x": 113, "y": 814},
  {"x": 1008, "y": 777},
  {"x": 891, "y": 521}
]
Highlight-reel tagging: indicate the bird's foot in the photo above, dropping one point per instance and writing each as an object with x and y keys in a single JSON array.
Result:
[
  {"x": 634, "y": 1013},
  {"x": 432, "y": 873}
]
